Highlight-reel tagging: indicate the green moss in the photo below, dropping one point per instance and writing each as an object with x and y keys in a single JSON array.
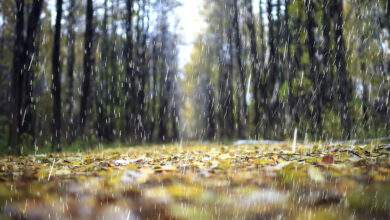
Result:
[
  {"x": 375, "y": 198},
  {"x": 294, "y": 174}
]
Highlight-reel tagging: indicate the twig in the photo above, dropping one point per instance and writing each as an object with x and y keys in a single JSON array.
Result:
[{"x": 51, "y": 169}]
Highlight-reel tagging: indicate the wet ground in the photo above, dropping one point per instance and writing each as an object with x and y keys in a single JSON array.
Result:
[{"x": 257, "y": 181}]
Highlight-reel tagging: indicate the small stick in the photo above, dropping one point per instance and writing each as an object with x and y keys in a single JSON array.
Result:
[
  {"x": 51, "y": 169},
  {"x": 294, "y": 145}
]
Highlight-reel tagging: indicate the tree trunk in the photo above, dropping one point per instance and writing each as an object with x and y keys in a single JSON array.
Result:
[
  {"x": 87, "y": 65},
  {"x": 344, "y": 84},
  {"x": 70, "y": 70},
  {"x": 145, "y": 72},
  {"x": 154, "y": 107},
  {"x": 314, "y": 70},
  {"x": 255, "y": 65},
  {"x": 24, "y": 52},
  {"x": 225, "y": 93},
  {"x": 229, "y": 100},
  {"x": 164, "y": 80},
  {"x": 388, "y": 14},
  {"x": 288, "y": 129},
  {"x": 104, "y": 128},
  {"x": 262, "y": 105},
  {"x": 388, "y": 66},
  {"x": 16, "y": 86},
  {"x": 365, "y": 106},
  {"x": 29, "y": 57},
  {"x": 210, "y": 114},
  {"x": 56, "y": 88},
  {"x": 243, "y": 114},
  {"x": 271, "y": 72},
  {"x": 115, "y": 86},
  {"x": 327, "y": 68},
  {"x": 141, "y": 71},
  {"x": 129, "y": 85}
]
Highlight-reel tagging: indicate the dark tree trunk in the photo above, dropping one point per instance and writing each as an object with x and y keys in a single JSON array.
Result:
[
  {"x": 314, "y": 70},
  {"x": 271, "y": 72},
  {"x": 24, "y": 52},
  {"x": 225, "y": 84},
  {"x": 16, "y": 84},
  {"x": 29, "y": 57},
  {"x": 104, "y": 128},
  {"x": 296, "y": 102},
  {"x": 162, "y": 111},
  {"x": 173, "y": 106},
  {"x": 365, "y": 106},
  {"x": 56, "y": 87},
  {"x": 288, "y": 71},
  {"x": 242, "y": 105},
  {"x": 210, "y": 111},
  {"x": 130, "y": 80},
  {"x": 145, "y": 72},
  {"x": 154, "y": 107},
  {"x": 70, "y": 71},
  {"x": 229, "y": 111},
  {"x": 88, "y": 66},
  {"x": 344, "y": 84},
  {"x": 164, "y": 81},
  {"x": 278, "y": 41},
  {"x": 115, "y": 88},
  {"x": 262, "y": 105},
  {"x": 327, "y": 68},
  {"x": 278, "y": 25},
  {"x": 388, "y": 66},
  {"x": 254, "y": 64},
  {"x": 388, "y": 15},
  {"x": 141, "y": 39}
]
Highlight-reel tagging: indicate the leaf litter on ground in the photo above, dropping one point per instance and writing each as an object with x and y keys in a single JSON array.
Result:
[{"x": 254, "y": 181}]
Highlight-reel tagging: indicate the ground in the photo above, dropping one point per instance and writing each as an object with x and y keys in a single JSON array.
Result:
[{"x": 257, "y": 181}]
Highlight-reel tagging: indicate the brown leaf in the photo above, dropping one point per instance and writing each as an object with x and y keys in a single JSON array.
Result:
[{"x": 327, "y": 159}]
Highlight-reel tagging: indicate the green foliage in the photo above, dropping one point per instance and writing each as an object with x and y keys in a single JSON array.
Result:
[
  {"x": 332, "y": 124},
  {"x": 301, "y": 85},
  {"x": 295, "y": 8},
  {"x": 371, "y": 199},
  {"x": 283, "y": 92}
]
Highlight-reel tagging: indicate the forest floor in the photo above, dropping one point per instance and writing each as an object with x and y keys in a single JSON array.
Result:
[{"x": 212, "y": 181}]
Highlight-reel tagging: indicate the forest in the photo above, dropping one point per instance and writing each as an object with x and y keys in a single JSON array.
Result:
[
  {"x": 280, "y": 101},
  {"x": 108, "y": 72}
]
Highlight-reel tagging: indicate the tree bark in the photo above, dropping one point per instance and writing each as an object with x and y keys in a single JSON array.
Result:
[
  {"x": 56, "y": 87},
  {"x": 87, "y": 65},
  {"x": 327, "y": 68},
  {"x": 154, "y": 107},
  {"x": 344, "y": 84},
  {"x": 229, "y": 100},
  {"x": 314, "y": 70},
  {"x": 104, "y": 129},
  {"x": 16, "y": 84},
  {"x": 254, "y": 64},
  {"x": 225, "y": 84},
  {"x": 243, "y": 113},
  {"x": 129, "y": 85},
  {"x": 388, "y": 66},
  {"x": 70, "y": 70},
  {"x": 24, "y": 52},
  {"x": 288, "y": 71},
  {"x": 140, "y": 71},
  {"x": 365, "y": 106},
  {"x": 115, "y": 86},
  {"x": 210, "y": 111},
  {"x": 271, "y": 76}
]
